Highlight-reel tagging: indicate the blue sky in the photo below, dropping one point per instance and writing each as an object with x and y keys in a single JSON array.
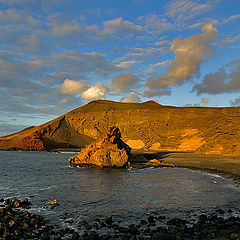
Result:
[{"x": 56, "y": 55}]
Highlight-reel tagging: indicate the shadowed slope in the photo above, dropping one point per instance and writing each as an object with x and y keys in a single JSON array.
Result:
[{"x": 143, "y": 126}]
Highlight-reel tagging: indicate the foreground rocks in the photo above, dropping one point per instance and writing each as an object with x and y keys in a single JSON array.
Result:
[
  {"x": 109, "y": 151},
  {"x": 16, "y": 223}
]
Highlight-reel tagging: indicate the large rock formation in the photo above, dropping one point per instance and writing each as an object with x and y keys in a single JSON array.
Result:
[
  {"x": 147, "y": 126},
  {"x": 109, "y": 151}
]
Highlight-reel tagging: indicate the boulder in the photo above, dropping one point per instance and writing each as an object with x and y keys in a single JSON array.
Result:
[{"x": 109, "y": 151}]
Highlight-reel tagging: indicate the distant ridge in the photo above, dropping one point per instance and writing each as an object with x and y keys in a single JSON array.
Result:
[
  {"x": 148, "y": 126},
  {"x": 151, "y": 102}
]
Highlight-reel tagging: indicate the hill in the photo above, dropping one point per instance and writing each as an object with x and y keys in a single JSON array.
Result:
[{"x": 148, "y": 125}]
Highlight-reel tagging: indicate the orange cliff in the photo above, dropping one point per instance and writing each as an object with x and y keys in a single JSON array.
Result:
[{"x": 148, "y": 126}]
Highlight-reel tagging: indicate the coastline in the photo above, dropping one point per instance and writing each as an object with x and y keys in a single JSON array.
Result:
[
  {"x": 19, "y": 223},
  {"x": 228, "y": 166}
]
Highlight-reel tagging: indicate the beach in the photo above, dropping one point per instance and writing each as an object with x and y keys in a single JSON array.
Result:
[{"x": 227, "y": 165}]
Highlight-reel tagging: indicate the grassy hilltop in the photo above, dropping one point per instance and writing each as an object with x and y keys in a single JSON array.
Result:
[{"x": 149, "y": 126}]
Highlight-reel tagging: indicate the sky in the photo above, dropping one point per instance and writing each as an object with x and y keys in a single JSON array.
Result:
[{"x": 57, "y": 55}]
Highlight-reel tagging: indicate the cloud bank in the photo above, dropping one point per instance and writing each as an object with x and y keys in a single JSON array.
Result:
[
  {"x": 226, "y": 79},
  {"x": 189, "y": 54},
  {"x": 124, "y": 81},
  {"x": 132, "y": 97}
]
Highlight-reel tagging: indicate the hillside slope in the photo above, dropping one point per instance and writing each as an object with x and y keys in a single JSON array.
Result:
[{"x": 143, "y": 126}]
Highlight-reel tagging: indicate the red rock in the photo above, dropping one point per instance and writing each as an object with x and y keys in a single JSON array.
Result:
[
  {"x": 109, "y": 151},
  {"x": 32, "y": 142}
]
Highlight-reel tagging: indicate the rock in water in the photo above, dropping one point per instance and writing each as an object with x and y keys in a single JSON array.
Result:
[{"x": 109, "y": 151}]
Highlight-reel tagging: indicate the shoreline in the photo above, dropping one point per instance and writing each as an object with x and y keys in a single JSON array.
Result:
[
  {"x": 228, "y": 166},
  {"x": 18, "y": 223}
]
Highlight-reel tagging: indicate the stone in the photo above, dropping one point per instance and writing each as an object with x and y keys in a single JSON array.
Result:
[
  {"x": 75, "y": 236},
  {"x": 85, "y": 224},
  {"x": 53, "y": 202},
  {"x": 109, "y": 151},
  {"x": 108, "y": 220},
  {"x": 11, "y": 223}
]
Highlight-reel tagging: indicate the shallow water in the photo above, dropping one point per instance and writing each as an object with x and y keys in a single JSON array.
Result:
[{"x": 87, "y": 194}]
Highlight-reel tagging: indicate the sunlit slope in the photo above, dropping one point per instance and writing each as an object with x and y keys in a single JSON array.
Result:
[{"x": 143, "y": 126}]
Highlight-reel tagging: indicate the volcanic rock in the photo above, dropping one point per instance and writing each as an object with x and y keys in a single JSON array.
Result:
[
  {"x": 109, "y": 151},
  {"x": 32, "y": 142},
  {"x": 144, "y": 126}
]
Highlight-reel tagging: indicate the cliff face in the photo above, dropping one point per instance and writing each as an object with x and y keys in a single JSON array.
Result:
[
  {"x": 109, "y": 151},
  {"x": 143, "y": 126}
]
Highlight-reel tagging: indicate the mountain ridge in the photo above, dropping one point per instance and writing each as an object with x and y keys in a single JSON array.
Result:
[{"x": 148, "y": 126}]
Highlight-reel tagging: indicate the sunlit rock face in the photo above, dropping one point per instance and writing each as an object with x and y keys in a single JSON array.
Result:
[
  {"x": 109, "y": 151},
  {"x": 143, "y": 126}
]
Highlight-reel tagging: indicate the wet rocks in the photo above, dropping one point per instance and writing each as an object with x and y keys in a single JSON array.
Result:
[
  {"x": 17, "y": 203},
  {"x": 16, "y": 223},
  {"x": 109, "y": 151}
]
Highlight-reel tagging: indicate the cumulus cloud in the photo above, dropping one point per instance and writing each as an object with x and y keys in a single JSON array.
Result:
[
  {"x": 87, "y": 92},
  {"x": 189, "y": 54},
  {"x": 95, "y": 92},
  {"x": 132, "y": 97},
  {"x": 226, "y": 79},
  {"x": 72, "y": 87},
  {"x": 124, "y": 81}
]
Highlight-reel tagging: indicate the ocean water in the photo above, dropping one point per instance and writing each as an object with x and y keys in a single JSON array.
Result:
[{"x": 129, "y": 195}]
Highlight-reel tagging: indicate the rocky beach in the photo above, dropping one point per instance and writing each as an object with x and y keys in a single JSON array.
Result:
[{"x": 17, "y": 223}]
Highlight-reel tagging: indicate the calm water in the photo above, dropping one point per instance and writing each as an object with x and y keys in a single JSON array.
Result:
[{"x": 85, "y": 194}]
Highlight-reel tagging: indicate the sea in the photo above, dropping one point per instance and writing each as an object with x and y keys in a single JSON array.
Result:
[{"x": 127, "y": 195}]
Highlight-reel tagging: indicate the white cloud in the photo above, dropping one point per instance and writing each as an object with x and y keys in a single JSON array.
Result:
[
  {"x": 72, "y": 87},
  {"x": 189, "y": 54},
  {"x": 162, "y": 42},
  {"x": 132, "y": 97},
  {"x": 95, "y": 92},
  {"x": 127, "y": 64},
  {"x": 124, "y": 81},
  {"x": 118, "y": 25},
  {"x": 155, "y": 24},
  {"x": 232, "y": 18},
  {"x": 182, "y": 11}
]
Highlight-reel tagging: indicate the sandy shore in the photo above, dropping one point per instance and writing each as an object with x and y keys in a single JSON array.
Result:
[{"x": 227, "y": 165}]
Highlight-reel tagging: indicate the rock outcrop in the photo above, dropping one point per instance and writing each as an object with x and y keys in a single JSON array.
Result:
[
  {"x": 32, "y": 142},
  {"x": 109, "y": 151}
]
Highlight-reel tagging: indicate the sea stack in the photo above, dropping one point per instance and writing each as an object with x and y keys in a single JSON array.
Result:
[{"x": 109, "y": 151}]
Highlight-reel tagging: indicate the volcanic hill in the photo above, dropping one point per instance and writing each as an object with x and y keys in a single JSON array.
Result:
[{"x": 148, "y": 126}]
